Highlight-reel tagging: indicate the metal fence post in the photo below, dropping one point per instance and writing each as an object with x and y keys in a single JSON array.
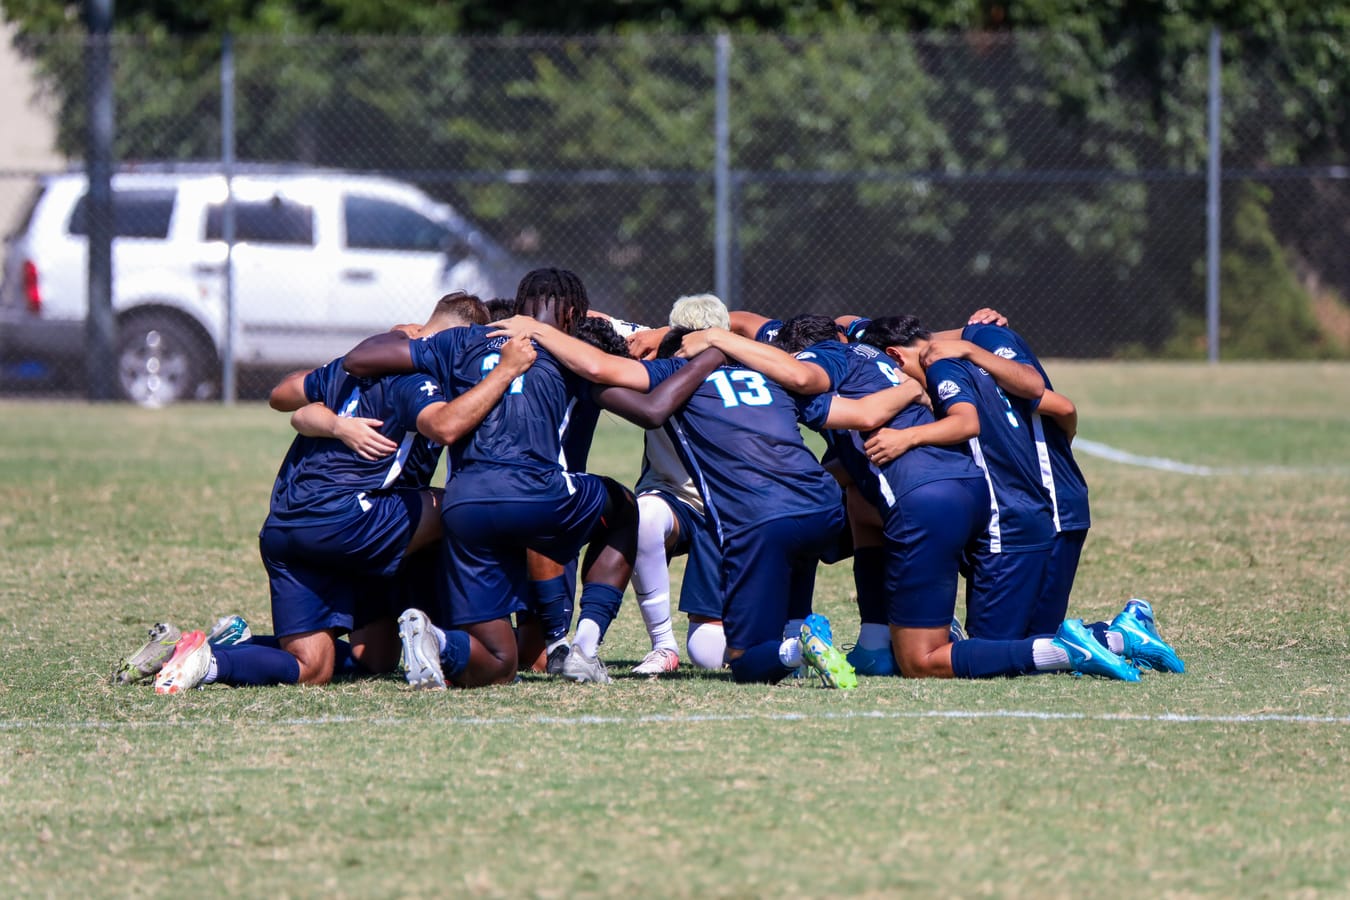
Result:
[
  {"x": 1212, "y": 206},
  {"x": 722, "y": 173},
  {"x": 228, "y": 388},
  {"x": 100, "y": 324}
]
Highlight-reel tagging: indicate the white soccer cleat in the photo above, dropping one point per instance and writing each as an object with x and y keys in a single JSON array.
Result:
[
  {"x": 421, "y": 652},
  {"x": 187, "y": 667},
  {"x": 584, "y": 669},
  {"x": 658, "y": 662}
]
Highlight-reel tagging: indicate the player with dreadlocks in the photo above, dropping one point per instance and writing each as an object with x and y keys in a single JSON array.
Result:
[{"x": 510, "y": 488}]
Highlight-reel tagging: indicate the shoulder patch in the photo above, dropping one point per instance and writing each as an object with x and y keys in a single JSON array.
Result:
[
  {"x": 806, "y": 354},
  {"x": 947, "y": 390},
  {"x": 1006, "y": 352}
]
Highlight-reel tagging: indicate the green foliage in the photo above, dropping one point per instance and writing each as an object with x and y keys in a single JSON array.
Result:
[{"x": 1264, "y": 312}]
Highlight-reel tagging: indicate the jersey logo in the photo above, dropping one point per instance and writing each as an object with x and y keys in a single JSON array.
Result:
[
  {"x": 947, "y": 390},
  {"x": 806, "y": 354},
  {"x": 428, "y": 387},
  {"x": 1006, "y": 352}
]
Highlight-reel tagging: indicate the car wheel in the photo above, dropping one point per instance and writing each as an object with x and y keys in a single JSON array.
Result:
[{"x": 160, "y": 361}]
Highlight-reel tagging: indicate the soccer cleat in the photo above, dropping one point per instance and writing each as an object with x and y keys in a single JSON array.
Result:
[
  {"x": 958, "y": 631},
  {"x": 819, "y": 652},
  {"x": 1087, "y": 656},
  {"x": 1143, "y": 645},
  {"x": 658, "y": 662},
  {"x": 557, "y": 655},
  {"x": 228, "y": 631},
  {"x": 421, "y": 652},
  {"x": 151, "y": 657},
  {"x": 584, "y": 669},
  {"x": 872, "y": 662},
  {"x": 188, "y": 666}
]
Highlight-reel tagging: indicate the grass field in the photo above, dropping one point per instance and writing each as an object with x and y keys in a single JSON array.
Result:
[{"x": 1232, "y": 780}]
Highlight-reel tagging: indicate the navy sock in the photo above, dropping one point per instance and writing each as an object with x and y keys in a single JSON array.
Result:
[
  {"x": 264, "y": 640},
  {"x": 251, "y": 664},
  {"x": 455, "y": 656},
  {"x": 600, "y": 603},
  {"x": 345, "y": 665},
  {"x": 869, "y": 580},
  {"x": 978, "y": 658},
  {"x": 1098, "y": 630},
  {"x": 759, "y": 665},
  {"x": 553, "y": 607}
]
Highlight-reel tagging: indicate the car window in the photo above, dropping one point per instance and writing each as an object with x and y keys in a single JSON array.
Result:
[
  {"x": 136, "y": 214},
  {"x": 374, "y": 224},
  {"x": 275, "y": 221}
]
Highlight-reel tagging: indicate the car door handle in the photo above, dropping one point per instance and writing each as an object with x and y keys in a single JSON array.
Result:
[
  {"x": 358, "y": 275},
  {"x": 209, "y": 269}
]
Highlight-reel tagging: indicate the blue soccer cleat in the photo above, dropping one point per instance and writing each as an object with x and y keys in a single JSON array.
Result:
[
  {"x": 872, "y": 662},
  {"x": 228, "y": 631},
  {"x": 1143, "y": 645},
  {"x": 1087, "y": 656},
  {"x": 958, "y": 631}
]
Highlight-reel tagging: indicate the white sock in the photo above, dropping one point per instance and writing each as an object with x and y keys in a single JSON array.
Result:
[
  {"x": 587, "y": 638},
  {"x": 210, "y": 676},
  {"x": 439, "y": 634},
  {"x": 1049, "y": 656},
  {"x": 651, "y": 576},
  {"x": 872, "y": 636},
  {"x": 707, "y": 644},
  {"x": 1115, "y": 643},
  {"x": 790, "y": 653}
]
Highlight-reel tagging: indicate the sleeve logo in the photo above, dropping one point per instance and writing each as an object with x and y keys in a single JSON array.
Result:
[
  {"x": 947, "y": 390},
  {"x": 1006, "y": 352}
]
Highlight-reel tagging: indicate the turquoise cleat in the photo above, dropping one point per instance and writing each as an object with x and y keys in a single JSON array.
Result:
[
  {"x": 1088, "y": 657},
  {"x": 1143, "y": 645}
]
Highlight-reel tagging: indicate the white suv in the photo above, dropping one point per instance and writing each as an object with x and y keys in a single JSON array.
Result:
[{"x": 321, "y": 259}]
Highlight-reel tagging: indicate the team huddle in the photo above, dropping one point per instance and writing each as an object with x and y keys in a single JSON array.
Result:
[{"x": 948, "y": 454}]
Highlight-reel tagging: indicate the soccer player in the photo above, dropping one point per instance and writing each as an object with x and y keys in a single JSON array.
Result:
[
  {"x": 344, "y": 528},
  {"x": 511, "y": 489},
  {"x": 1008, "y": 561}
]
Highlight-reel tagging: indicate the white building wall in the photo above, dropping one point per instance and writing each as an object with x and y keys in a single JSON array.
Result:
[{"x": 27, "y": 129}]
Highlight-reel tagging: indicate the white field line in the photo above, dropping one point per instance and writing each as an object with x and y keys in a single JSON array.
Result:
[
  {"x": 665, "y": 719},
  {"x": 1162, "y": 464}
]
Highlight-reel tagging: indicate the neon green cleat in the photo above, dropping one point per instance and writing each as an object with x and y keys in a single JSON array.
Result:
[{"x": 820, "y": 654}]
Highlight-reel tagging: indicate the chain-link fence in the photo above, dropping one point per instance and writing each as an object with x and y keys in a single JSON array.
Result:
[{"x": 1061, "y": 182}]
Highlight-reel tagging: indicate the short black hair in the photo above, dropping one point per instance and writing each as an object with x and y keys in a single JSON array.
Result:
[
  {"x": 499, "y": 308},
  {"x": 600, "y": 332},
  {"x": 801, "y": 331},
  {"x": 670, "y": 344},
  {"x": 895, "y": 331}
]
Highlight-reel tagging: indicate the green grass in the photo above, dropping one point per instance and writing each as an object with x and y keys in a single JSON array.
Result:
[{"x": 1204, "y": 784}]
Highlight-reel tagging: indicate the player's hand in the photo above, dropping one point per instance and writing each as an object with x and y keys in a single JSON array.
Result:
[
  {"x": 695, "y": 342},
  {"x": 515, "y": 326},
  {"x": 886, "y": 444},
  {"x": 518, "y": 354},
  {"x": 643, "y": 344},
  {"x": 937, "y": 349},
  {"x": 363, "y": 436},
  {"x": 987, "y": 316}
]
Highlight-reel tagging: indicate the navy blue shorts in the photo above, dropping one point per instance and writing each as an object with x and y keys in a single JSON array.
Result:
[
  {"x": 340, "y": 574},
  {"x": 486, "y": 576},
  {"x": 1053, "y": 604},
  {"x": 1002, "y": 590},
  {"x": 928, "y": 533},
  {"x": 769, "y": 569}
]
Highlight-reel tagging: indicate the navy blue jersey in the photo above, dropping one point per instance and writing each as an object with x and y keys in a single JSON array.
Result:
[
  {"x": 524, "y": 434},
  {"x": 832, "y": 356},
  {"x": 868, "y": 371},
  {"x": 1021, "y": 517},
  {"x": 768, "y": 332},
  {"x": 323, "y": 477},
  {"x": 1060, "y": 472},
  {"x": 739, "y": 440}
]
